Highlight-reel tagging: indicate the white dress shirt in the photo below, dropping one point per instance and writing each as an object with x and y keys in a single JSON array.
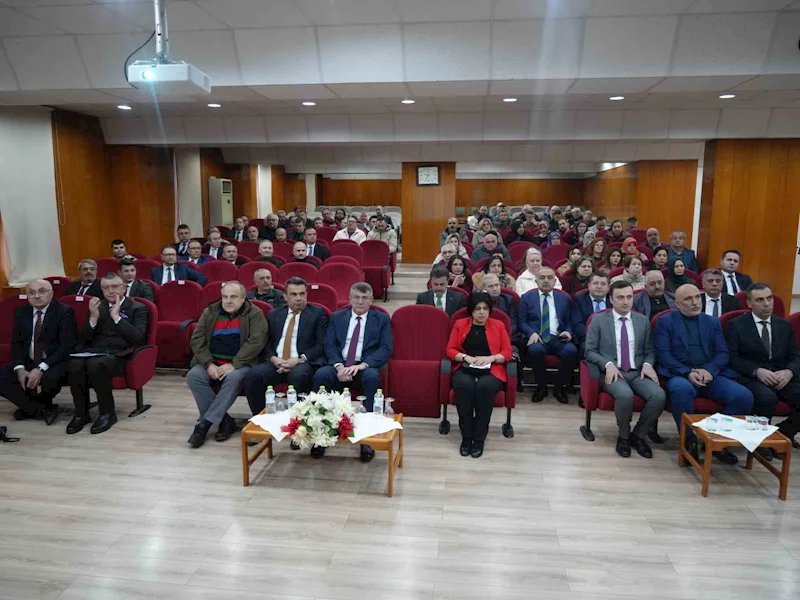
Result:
[
  {"x": 215, "y": 252},
  {"x": 42, "y": 365},
  {"x": 710, "y": 305},
  {"x": 631, "y": 339},
  {"x": 293, "y": 351},
  {"x": 165, "y": 275},
  {"x": 731, "y": 285},
  {"x": 760, "y": 327},
  {"x": 350, "y": 328},
  {"x": 553, "y": 314},
  {"x": 358, "y": 236}
]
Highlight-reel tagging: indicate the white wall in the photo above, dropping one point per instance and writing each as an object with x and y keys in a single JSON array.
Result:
[
  {"x": 28, "y": 194},
  {"x": 190, "y": 204},
  {"x": 264, "y": 191}
]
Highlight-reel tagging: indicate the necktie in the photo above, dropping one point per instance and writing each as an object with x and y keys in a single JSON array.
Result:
[
  {"x": 439, "y": 301},
  {"x": 183, "y": 249},
  {"x": 83, "y": 290},
  {"x": 715, "y": 310},
  {"x": 624, "y": 343},
  {"x": 287, "y": 340},
  {"x": 545, "y": 332},
  {"x": 597, "y": 306},
  {"x": 170, "y": 276},
  {"x": 311, "y": 250},
  {"x": 351, "y": 351},
  {"x": 765, "y": 337},
  {"x": 734, "y": 287},
  {"x": 37, "y": 333},
  {"x": 128, "y": 290}
]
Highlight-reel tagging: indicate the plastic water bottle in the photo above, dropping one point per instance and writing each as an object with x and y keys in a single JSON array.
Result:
[
  {"x": 270, "y": 401},
  {"x": 346, "y": 394},
  {"x": 322, "y": 390},
  {"x": 291, "y": 396},
  {"x": 377, "y": 405}
]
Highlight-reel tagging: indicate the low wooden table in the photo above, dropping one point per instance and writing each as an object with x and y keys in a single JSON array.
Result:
[
  {"x": 715, "y": 442},
  {"x": 380, "y": 443}
]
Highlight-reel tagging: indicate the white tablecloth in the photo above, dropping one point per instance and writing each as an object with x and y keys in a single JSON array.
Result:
[
  {"x": 749, "y": 438},
  {"x": 366, "y": 425}
]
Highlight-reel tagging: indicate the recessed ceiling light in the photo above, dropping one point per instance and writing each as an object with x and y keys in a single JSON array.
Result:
[
  {"x": 509, "y": 99},
  {"x": 309, "y": 103},
  {"x": 727, "y": 96},
  {"x": 214, "y": 105},
  {"x": 124, "y": 107},
  {"x": 617, "y": 98},
  {"x": 408, "y": 101}
]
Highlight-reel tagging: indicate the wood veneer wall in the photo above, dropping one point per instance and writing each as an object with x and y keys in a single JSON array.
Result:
[
  {"x": 425, "y": 211},
  {"x": 360, "y": 192},
  {"x": 613, "y": 193},
  {"x": 516, "y": 192}
]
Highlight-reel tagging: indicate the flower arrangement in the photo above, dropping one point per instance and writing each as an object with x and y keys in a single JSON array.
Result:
[{"x": 321, "y": 420}]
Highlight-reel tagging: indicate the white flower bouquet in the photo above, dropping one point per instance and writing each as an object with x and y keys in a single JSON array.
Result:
[{"x": 322, "y": 419}]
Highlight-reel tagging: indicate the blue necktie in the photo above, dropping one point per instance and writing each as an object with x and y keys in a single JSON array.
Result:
[{"x": 597, "y": 306}]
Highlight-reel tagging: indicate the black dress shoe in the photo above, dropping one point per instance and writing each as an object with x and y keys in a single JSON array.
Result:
[
  {"x": 104, "y": 422},
  {"x": 226, "y": 429},
  {"x": 294, "y": 446},
  {"x": 654, "y": 437},
  {"x": 641, "y": 446},
  {"x": 198, "y": 437},
  {"x": 477, "y": 449},
  {"x": 539, "y": 394},
  {"x": 726, "y": 456},
  {"x": 21, "y": 415},
  {"x": 367, "y": 454},
  {"x": 623, "y": 447},
  {"x": 50, "y": 415},
  {"x": 77, "y": 424},
  {"x": 317, "y": 452},
  {"x": 560, "y": 395},
  {"x": 466, "y": 447}
]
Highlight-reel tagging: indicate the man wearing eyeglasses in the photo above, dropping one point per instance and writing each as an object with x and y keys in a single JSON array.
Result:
[
  {"x": 116, "y": 327},
  {"x": 42, "y": 338}
]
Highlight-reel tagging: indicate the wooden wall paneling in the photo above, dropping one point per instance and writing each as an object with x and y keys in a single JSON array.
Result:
[
  {"x": 294, "y": 192},
  {"x": 425, "y": 212},
  {"x": 360, "y": 192},
  {"x": 516, "y": 192},
  {"x": 4, "y": 265},
  {"x": 212, "y": 164},
  {"x": 278, "y": 188},
  {"x": 665, "y": 194},
  {"x": 707, "y": 200},
  {"x": 245, "y": 194},
  {"x": 613, "y": 192}
]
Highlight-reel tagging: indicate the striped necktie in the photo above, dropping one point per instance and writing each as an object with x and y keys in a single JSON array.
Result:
[{"x": 545, "y": 331}]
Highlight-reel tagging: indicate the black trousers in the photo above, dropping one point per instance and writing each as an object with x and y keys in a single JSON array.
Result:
[
  {"x": 261, "y": 376},
  {"x": 28, "y": 400},
  {"x": 766, "y": 399},
  {"x": 94, "y": 372},
  {"x": 537, "y": 360},
  {"x": 475, "y": 401}
]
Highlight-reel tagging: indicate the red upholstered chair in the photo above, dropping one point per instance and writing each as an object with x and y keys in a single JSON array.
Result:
[
  {"x": 640, "y": 235},
  {"x": 730, "y": 316},
  {"x": 347, "y": 248},
  {"x": 320, "y": 293},
  {"x": 377, "y": 266},
  {"x": 506, "y": 397},
  {"x": 256, "y": 223},
  {"x": 420, "y": 335},
  {"x": 60, "y": 285},
  {"x": 180, "y": 303},
  {"x": 107, "y": 265},
  {"x": 339, "y": 276},
  {"x": 247, "y": 271},
  {"x": 137, "y": 255},
  {"x": 469, "y": 233},
  {"x": 555, "y": 253},
  {"x": 646, "y": 251},
  {"x": 264, "y": 307},
  {"x": 342, "y": 241},
  {"x": 518, "y": 249},
  {"x": 224, "y": 231},
  {"x": 155, "y": 286},
  {"x": 283, "y": 250},
  {"x": 344, "y": 259},
  {"x": 316, "y": 260},
  {"x": 8, "y": 306},
  {"x": 325, "y": 234},
  {"x": 145, "y": 265},
  {"x": 778, "y": 307},
  {"x": 617, "y": 271},
  {"x": 212, "y": 292},
  {"x": 219, "y": 270},
  {"x": 470, "y": 265},
  {"x": 328, "y": 311},
  {"x": 294, "y": 269}
]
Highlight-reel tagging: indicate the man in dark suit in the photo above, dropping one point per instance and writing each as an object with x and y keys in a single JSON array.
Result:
[
  {"x": 117, "y": 326},
  {"x": 294, "y": 349},
  {"x": 358, "y": 344},
  {"x": 267, "y": 231},
  {"x": 172, "y": 270},
  {"x": 654, "y": 299},
  {"x": 544, "y": 318},
  {"x": 734, "y": 282},
  {"x": 692, "y": 355},
  {"x": 41, "y": 341},
  {"x": 300, "y": 255},
  {"x": 439, "y": 296},
  {"x": 214, "y": 244},
  {"x": 134, "y": 288},
  {"x": 585, "y": 305},
  {"x": 195, "y": 254},
  {"x": 184, "y": 238},
  {"x": 764, "y": 351},
  {"x": 715, "y": 302},
  {"x": 231, "y": 254},
  {"x": 315, "y": 249},
  {"x": 88, "y": 284},
  {"x": 677, "y": 249},
  {"x": 653, "y": 239}
]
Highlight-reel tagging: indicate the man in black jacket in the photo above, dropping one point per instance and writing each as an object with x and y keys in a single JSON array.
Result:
[
  {"x": 117, "y": 326},
  {"x": 134, "y": 288},
  {"x": 764, "y": 351},
  {"x": 42, "y": 339},
  {"x": 88, "y": 285},
  {"x": 714, "y": 299},
  {"x": 315, "y": 249},
  {"x": 295, "y": 346},
  {"x": 441, "y": 297}
]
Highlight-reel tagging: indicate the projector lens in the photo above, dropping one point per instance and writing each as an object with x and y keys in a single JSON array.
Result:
[{"x": 148, "y": 75}]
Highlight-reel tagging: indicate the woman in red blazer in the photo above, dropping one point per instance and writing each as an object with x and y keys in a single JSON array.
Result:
[{"x": 479, "y": 347}]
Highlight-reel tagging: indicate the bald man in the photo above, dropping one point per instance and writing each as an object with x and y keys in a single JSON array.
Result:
[
  {"x": 693, "y": 356},
  {"x": 41, "y": 342}
]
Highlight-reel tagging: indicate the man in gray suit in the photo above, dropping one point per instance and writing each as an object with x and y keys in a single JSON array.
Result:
[
  {"x": 654, "y": 299},
  {"x": 618, "y": 343}
]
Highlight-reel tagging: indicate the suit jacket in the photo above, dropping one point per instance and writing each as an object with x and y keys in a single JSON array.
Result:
[
  {"x": 688, "y": 256},
  {"x": 530, "y": 313},
  {"x": 378, "y": 345},
  {"x": 238, "y": 262},
  {"x": 742, "y": 280},
  {"x": 182, "y": 272},
  {"x": 452, "y": 301},
  {"x": 729, "y": 303},
  {"x": 265, "y": 233},
  {"x": 496, "y": 337},
  {"x": 641, "y": 303},
  {"x": 582, "y": 308},
  {"x": 56, "y": 339},
  {"x": 321, "y": 252},
  {"x": 601, "y": 341},
  {"x": 207, "y": 250},
  {"x": 94, "y": 289},
  {"x": 200, "y": 261},
  {"x": 505, "y": 303},
  {"x": 311, "y": 330},
  {"x": 233, "y": 235},
  {"x": 119, "y": 339},
  {"x": 672, "y": 346},
  {"x": 177, "y": 247},
  {"x": 142, "y": 289},
  {"x": 749, "y": 354}
]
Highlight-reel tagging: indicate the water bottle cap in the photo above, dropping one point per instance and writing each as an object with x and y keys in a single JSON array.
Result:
[
  {"x": 269, "y": 387},
  {"x": 380, "y": 390},
  {"x": 291, "y": 387},
  {"x": 346, "y": 389}
]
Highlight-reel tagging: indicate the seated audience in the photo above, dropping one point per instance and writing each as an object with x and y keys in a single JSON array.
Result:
[
  {"x": 473, "y": 220},
  {"x": 588, "y": 238},
  {"x": 653, "y": 242},
  {"x": 616, "y": 233},
  {"x": 585, "y": 305},
  {"x": 264, "y": 291},
  {"x": 280, "y": 235},
  {"x": 134, "y": 288},
  {"x": 544, "y": 319},
  {"x": 184, "y": 234},
  {"x": 569, "y": 265},
  {"x": 358, "y": 344},
  {"x": 597, "y": 250},
  {"x": 553, "y": 217},
  {"x": 227, "y": 342},
  {"x": 313, "y": 248},
  {"x": 284, "y": 221},
  {"x": 764, "y": 352},
  {"x": 294, "y": 348},
  {"x": 632, "y": 273},
  {"x": 318, "y": 222},
  {"x": 298, "y": 232},
  {"x": 498, "y": 267},
  {"x": 457, "y": 247},
  {"x": 448, "y": 252},
  {"x": 574, "y": 215},
  {"x": 300, "y": 255},
  {"x": 327, "y": 217},
  {"x": 252, "y": 234},
  {"x": 195, "y": 254},
  {"x": 172, "y": 270},
  {"x": 654, "y": 299},
  {"x": 484, "y": 227},
  {"x": 117, "y": 326},
  {"x": 502, "y": 220},
  {"x": 517, "y": 233},
  {"x": 613, "y": 260},
  {"x": 379, "y": 213},
  {"x": 119, "y": 251},
  {"x": 504, "y": 303},
  {"x": 633, "y": 223},
  {"x": 677, "y": 249},
  {"x": 246, "y": 221},
  {"x": 42, "y": 338},
  {"x": 630, "y": 247},
  {"x": 452, "y": 227},
  {"x": 477, "y": 341},
  {"x": 529, "y": 272},
  {"x": 266, "y": 253},
  {"x": 542, "y": 233},
  {"x": 580, "y": 276},
  {"x": 599, "y": 228},
  {"x": 734, "y": 282},
  {"x": 439, "y": 296},
  {"x": 238, "y": 231},
  {"x": 676, "y": 274},
  {"x": 339, "y": 216},
  {"x": 384, "y": 233},
  {"x": 267, "y": 231},
  {"x": 554, "y": 239},
  {"x": 458, "y": 274},
  {"x": 660, "y": 259},
  {"x": 490, "y": 247},
  {"x": 563, "y": 227},
  {"x": 88, "y": 284},
  {"x": 620, "y": 347},
  {"x": 214, "y": 243},
  {"x": 693, "y": 357},
  {"x": 351, "y": 232},
  {"x": 715, "y": 302}
]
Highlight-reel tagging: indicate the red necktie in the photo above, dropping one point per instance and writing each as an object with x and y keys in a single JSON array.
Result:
[
  {"x": 351, "y": 351},
  {"x": 37, "y": 333}
]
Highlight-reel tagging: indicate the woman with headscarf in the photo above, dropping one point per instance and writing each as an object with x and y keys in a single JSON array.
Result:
[
  {"x": 677, "y": 275},
  {"x": 630, "y": 247},
  {"x": 578, "y": 278},
  {"x": 554, "y": 239},
  {"x": 496, "y": 266},
  {"x": 542, "y": 233},
  {"x": 632, "y": 273},
  {"x": 528, "y": 270},
  {"x": 485, "y": 226},
  {"x": 518, "y": 233}
]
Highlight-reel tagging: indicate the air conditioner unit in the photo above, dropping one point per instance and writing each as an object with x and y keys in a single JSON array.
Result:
[{"x": 220, "y": 201}]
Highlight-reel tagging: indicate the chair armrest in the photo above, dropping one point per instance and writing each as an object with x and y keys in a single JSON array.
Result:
[
  {"x": 511, "y": 385},
  {"x": 445, "y": 367},
  {"x": 184, "y": 324},
  {"x": 141, "y": 367},
  {"x": 445, "y": 378},
  {"x": 590, "y": 386}
]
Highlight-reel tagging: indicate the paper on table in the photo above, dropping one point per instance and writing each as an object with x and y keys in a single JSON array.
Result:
[
  {"x": 369, "y": 424},
  {"x": 487, "y": 366},
  {"x": 273, "y": 423},
  {"x": 749, "y": 438}
]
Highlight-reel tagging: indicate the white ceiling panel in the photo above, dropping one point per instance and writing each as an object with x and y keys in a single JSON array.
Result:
[
  {"x": 685, "y": 151},
  {"x": 722, "y": 44},
  {"x": 693, "y": 124},
  {"x": 221, "y": 93},
  {"x": 708, "y": 83},
  {"x": 540, "y": 9},
  {"x": 784, "y": 122},
  {"x": 245, "y": 129},
  {"x": 165, "y": 131},
  {"x": 87, "y": 18},
  {"x": 614, "y": 86},
  {"x": 213, "y": 52},
  {"x": 287, "y": 129},
  {"x": 620, "y": 152},
  {"x": 328, "y": 128},
  {"x": 415, "y": 127},
  {"x": 464, "y": 152},
  {"x": 531, "y": 49},
  {"x": 255, "y": 13},
  {"x": 146, "y": 97},
  {"x": 278, "y": 56},
  {"x": 320, "y": 154},
  {"x": 552, "y": 125},
  {"x": 617, "y": 8},
  {"x": 8, "y": 80},
  {"x": 20, "y": 98},
  {"x": 347, "y": 154},
  {"x": 405, "y": 153},
  {"x": 536, "y": 87},
  {"x": 124, "y": 131},
  {"x": 366, "y": 53},
  {"x": 435, "y": 152},
  {"x": 783, "y": 56},
  {"x": 443, "y": 89},
  {"x": 85, "y": 97},
  {"x": 557, "y": 152},
  {"x": 645, "y": 124},
  {"x": 735, "y": 123},
  {"x": 294, "y": 92},
  {"x": 652, "y": 151},
  {"x": 460, "y": 103},
  {"x": 421, "y": 11},
  {"x": 506, "y": 125},
  {"x": 447, "y": 51},
  {"x": 44, "y": 62},
  {"x": 43, "y": 2},
  {"x": 292, "y": 155},
  {"x": 494, "y": 152},
  {"x": 771, "y": 82},
  {"x": 598, "y": 124},
  {"x": 204, "y": 130},
  {"x": 588, "y": 151},
  {"x": 369, "y": 90},
  {"x": 103, "y": 56},
  {"x": 13, "y": 23},
  {"x": 348, "y": 12},
  {"x": 628, "y": 46},
  {"x": 526, "y": 152},
  {"x": 460, "y": 126},
  {"x": 183, "y": 15},
  {"x": 731, "y": 6}
]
